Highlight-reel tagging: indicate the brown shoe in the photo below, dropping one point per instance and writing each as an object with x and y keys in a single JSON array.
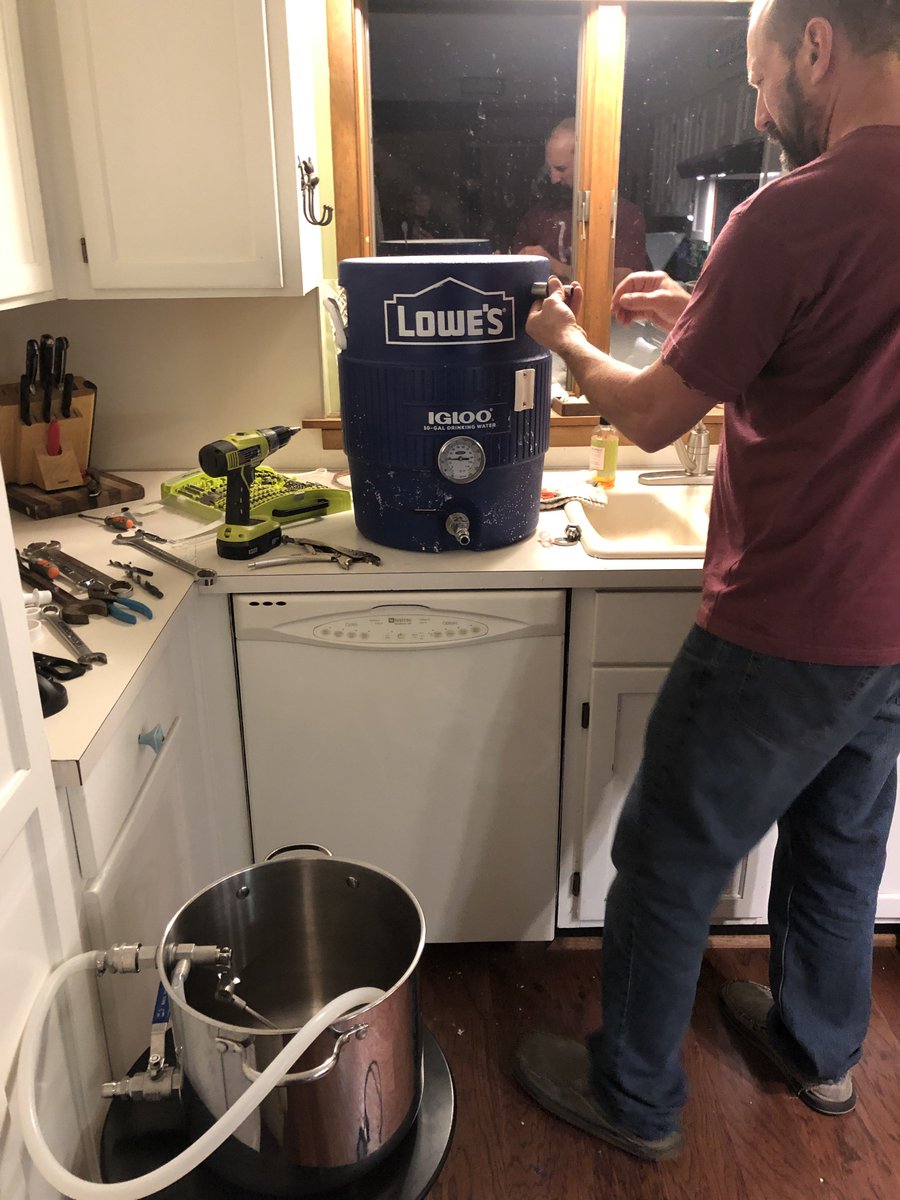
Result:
[
  {"x": 555, "y": 1071},
  {"x": 747, "y": 1006}
]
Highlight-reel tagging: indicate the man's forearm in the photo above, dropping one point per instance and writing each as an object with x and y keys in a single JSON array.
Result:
[
  {"x": 652, "y": 407},
  {"x": 620, "y": 393}
]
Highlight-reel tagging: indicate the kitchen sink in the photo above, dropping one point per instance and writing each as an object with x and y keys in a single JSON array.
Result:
[{"x": 669, "y": 523}]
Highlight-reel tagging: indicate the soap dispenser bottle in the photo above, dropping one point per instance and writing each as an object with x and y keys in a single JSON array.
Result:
[{"x": 604, "y": 454}]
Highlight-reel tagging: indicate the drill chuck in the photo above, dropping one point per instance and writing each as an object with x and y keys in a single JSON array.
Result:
[{"x": 244, "y": 449}]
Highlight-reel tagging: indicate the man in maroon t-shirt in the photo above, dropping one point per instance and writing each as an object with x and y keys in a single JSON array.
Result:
[{"x": 783, "y": 705}]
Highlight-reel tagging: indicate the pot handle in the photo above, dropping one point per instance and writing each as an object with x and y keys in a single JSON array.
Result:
[
  {"x": 298, "y": 846},
  {"x": 310, "y": 1076}
]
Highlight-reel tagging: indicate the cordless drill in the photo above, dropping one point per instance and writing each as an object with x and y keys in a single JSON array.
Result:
[{"x": 237, "y": 457}]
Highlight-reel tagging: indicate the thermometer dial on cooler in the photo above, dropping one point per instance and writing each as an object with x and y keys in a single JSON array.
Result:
[{"x": 461, "y": 459}]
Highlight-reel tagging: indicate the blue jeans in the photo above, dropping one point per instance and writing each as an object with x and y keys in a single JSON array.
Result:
[{"x": 736, "y": 742}]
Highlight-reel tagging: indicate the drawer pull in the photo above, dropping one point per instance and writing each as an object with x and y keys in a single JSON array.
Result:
[{"x": 154, "y": 738}]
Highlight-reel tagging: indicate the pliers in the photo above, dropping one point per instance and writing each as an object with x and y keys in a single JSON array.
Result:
[
  {"x": 344, "y": 556},
  {"x": 121, "y": 607}
]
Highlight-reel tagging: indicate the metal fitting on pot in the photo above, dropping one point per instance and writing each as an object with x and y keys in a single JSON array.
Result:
[
  {"x": 125, "y": 958},
  {"x": 200, "y": 956},
  {"x": 457, "y": 525}
]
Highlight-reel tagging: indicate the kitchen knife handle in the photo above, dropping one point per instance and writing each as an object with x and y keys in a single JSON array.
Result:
[
  {"x": 53, "y": 441},
  {"x": 25, "y": 400},
  {"x": 46, "y": 411},
  {"x": 67, "y": 389},
  {"x": 32, "y": 353},
  {"x": 60, "y": 350},
  {"x": 46, "y": 352}
]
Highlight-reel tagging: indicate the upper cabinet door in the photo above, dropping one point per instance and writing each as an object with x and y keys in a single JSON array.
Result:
[
  {"x": 170, "y": 114},
  {"x": 24, "y": 261}
]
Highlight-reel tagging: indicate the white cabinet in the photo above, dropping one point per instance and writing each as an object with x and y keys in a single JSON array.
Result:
[
  {"x": 889, "y": 893},
  {"x": 147, "y": 817},
  {"x": 25, "y": 274},
  {"x": 621, "y": 645},
  {"x": 172, "y": 144},
  {"x": 155, "y": 864}
]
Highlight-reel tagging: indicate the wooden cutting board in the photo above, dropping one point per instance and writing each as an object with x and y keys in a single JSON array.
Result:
[{"x": 30, "y": 500}]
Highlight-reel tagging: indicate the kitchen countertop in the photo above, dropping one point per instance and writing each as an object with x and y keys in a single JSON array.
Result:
[{"x": 528, "y": 564}]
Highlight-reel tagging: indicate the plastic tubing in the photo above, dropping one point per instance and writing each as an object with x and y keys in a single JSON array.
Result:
[{"x": 176, "y": 1168}]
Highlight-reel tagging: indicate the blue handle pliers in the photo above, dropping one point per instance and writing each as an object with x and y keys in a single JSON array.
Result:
[{"x": 121, "y": 607}]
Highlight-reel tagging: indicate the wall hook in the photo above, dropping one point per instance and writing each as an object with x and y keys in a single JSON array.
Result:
[{"x": 309, "y": 181}]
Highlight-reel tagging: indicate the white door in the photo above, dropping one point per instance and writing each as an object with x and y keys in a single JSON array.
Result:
[
  {"x": 620, "y": 702},
  {"x": 24, "y": 258},
  {"x": 889, "y": 893},
  {"x": 38, "y": 924}
]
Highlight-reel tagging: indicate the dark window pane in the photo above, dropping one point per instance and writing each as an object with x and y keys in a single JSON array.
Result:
[{"x": 462, "y": 103}]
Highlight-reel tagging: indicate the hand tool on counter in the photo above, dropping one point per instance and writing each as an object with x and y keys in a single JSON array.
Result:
[
  {"x": 121, "y": 608},
  {"x": 292, "y": 560},
  {"x": 74, "y": 569},
  {"x": 236, "y": 458},
  {"x": 138, "y": 539},
  {"x": 347, "y": 552},
  {"x": 60, "y": 669},
  {"x": 137, "y": 577},
  {"x": 39, "y": 566},
  {"x": 45, "y": 365},
  {"x": 118, "y": 521},
  {"x": 72, "y": 610},
  {"x": 50, "y": 615},
  {"x": 312, "y": 551}
]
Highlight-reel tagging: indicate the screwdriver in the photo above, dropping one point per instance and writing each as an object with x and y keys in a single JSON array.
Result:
[
  {"x": 118, "y": 521},
  {"x": 40, "y": 566}
]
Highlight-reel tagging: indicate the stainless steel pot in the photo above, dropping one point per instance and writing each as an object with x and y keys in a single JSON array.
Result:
[{"x": 302, "y": 930}]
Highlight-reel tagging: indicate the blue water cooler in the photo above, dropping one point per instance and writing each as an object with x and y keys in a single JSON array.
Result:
[{"x": 445, "y": 400}]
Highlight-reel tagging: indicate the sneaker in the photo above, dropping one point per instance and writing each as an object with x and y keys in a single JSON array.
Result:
[
  {"x": 747, "y": 1006},
  {"x": 555, "y": 1071}
]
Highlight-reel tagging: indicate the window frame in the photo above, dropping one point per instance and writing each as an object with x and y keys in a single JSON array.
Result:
[{"x": 602, "y": 49}]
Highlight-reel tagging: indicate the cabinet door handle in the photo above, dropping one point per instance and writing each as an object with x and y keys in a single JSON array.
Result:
[{"x": 154, "y": 738}]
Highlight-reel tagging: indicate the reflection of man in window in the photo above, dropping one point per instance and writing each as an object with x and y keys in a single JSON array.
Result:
[{"x": 546, "y": 228}]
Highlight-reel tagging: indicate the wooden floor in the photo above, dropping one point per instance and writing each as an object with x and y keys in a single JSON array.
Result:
[{"x": 747, "y": 1137}]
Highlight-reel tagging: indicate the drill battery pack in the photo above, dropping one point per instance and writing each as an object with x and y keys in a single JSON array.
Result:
[{"x": 272, "y": 495}]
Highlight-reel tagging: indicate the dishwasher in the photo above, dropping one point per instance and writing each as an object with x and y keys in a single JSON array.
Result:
[{"x": 419, "y": 732}]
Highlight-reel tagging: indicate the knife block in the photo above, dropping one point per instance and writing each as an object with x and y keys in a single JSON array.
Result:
[{"x": 23, "y": 448}]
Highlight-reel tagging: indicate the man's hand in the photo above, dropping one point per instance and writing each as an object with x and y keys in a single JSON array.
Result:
[
  {"x": 553, "y": 320},
  {"x": 649, "y": 296},
  {"x": 557, "y": 267}
]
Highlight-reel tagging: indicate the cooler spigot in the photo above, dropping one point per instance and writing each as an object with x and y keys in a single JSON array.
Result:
[{"x": 457, "y": 525}]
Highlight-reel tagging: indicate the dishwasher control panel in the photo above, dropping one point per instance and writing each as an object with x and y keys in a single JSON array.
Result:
[{"x": 399, "y": 628}]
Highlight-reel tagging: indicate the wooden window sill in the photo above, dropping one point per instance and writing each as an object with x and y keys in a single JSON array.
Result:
[{"x": 564, "y": 431}]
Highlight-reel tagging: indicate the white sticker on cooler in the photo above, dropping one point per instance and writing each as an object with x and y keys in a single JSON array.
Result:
[{"x": 524, "y": 390}]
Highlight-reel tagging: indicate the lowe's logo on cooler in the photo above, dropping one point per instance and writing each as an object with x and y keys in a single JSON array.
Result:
[{"x": 447, "y": 313}]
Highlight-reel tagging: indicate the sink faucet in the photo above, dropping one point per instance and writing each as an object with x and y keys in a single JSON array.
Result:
[{"x": 694, "y": 458}]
